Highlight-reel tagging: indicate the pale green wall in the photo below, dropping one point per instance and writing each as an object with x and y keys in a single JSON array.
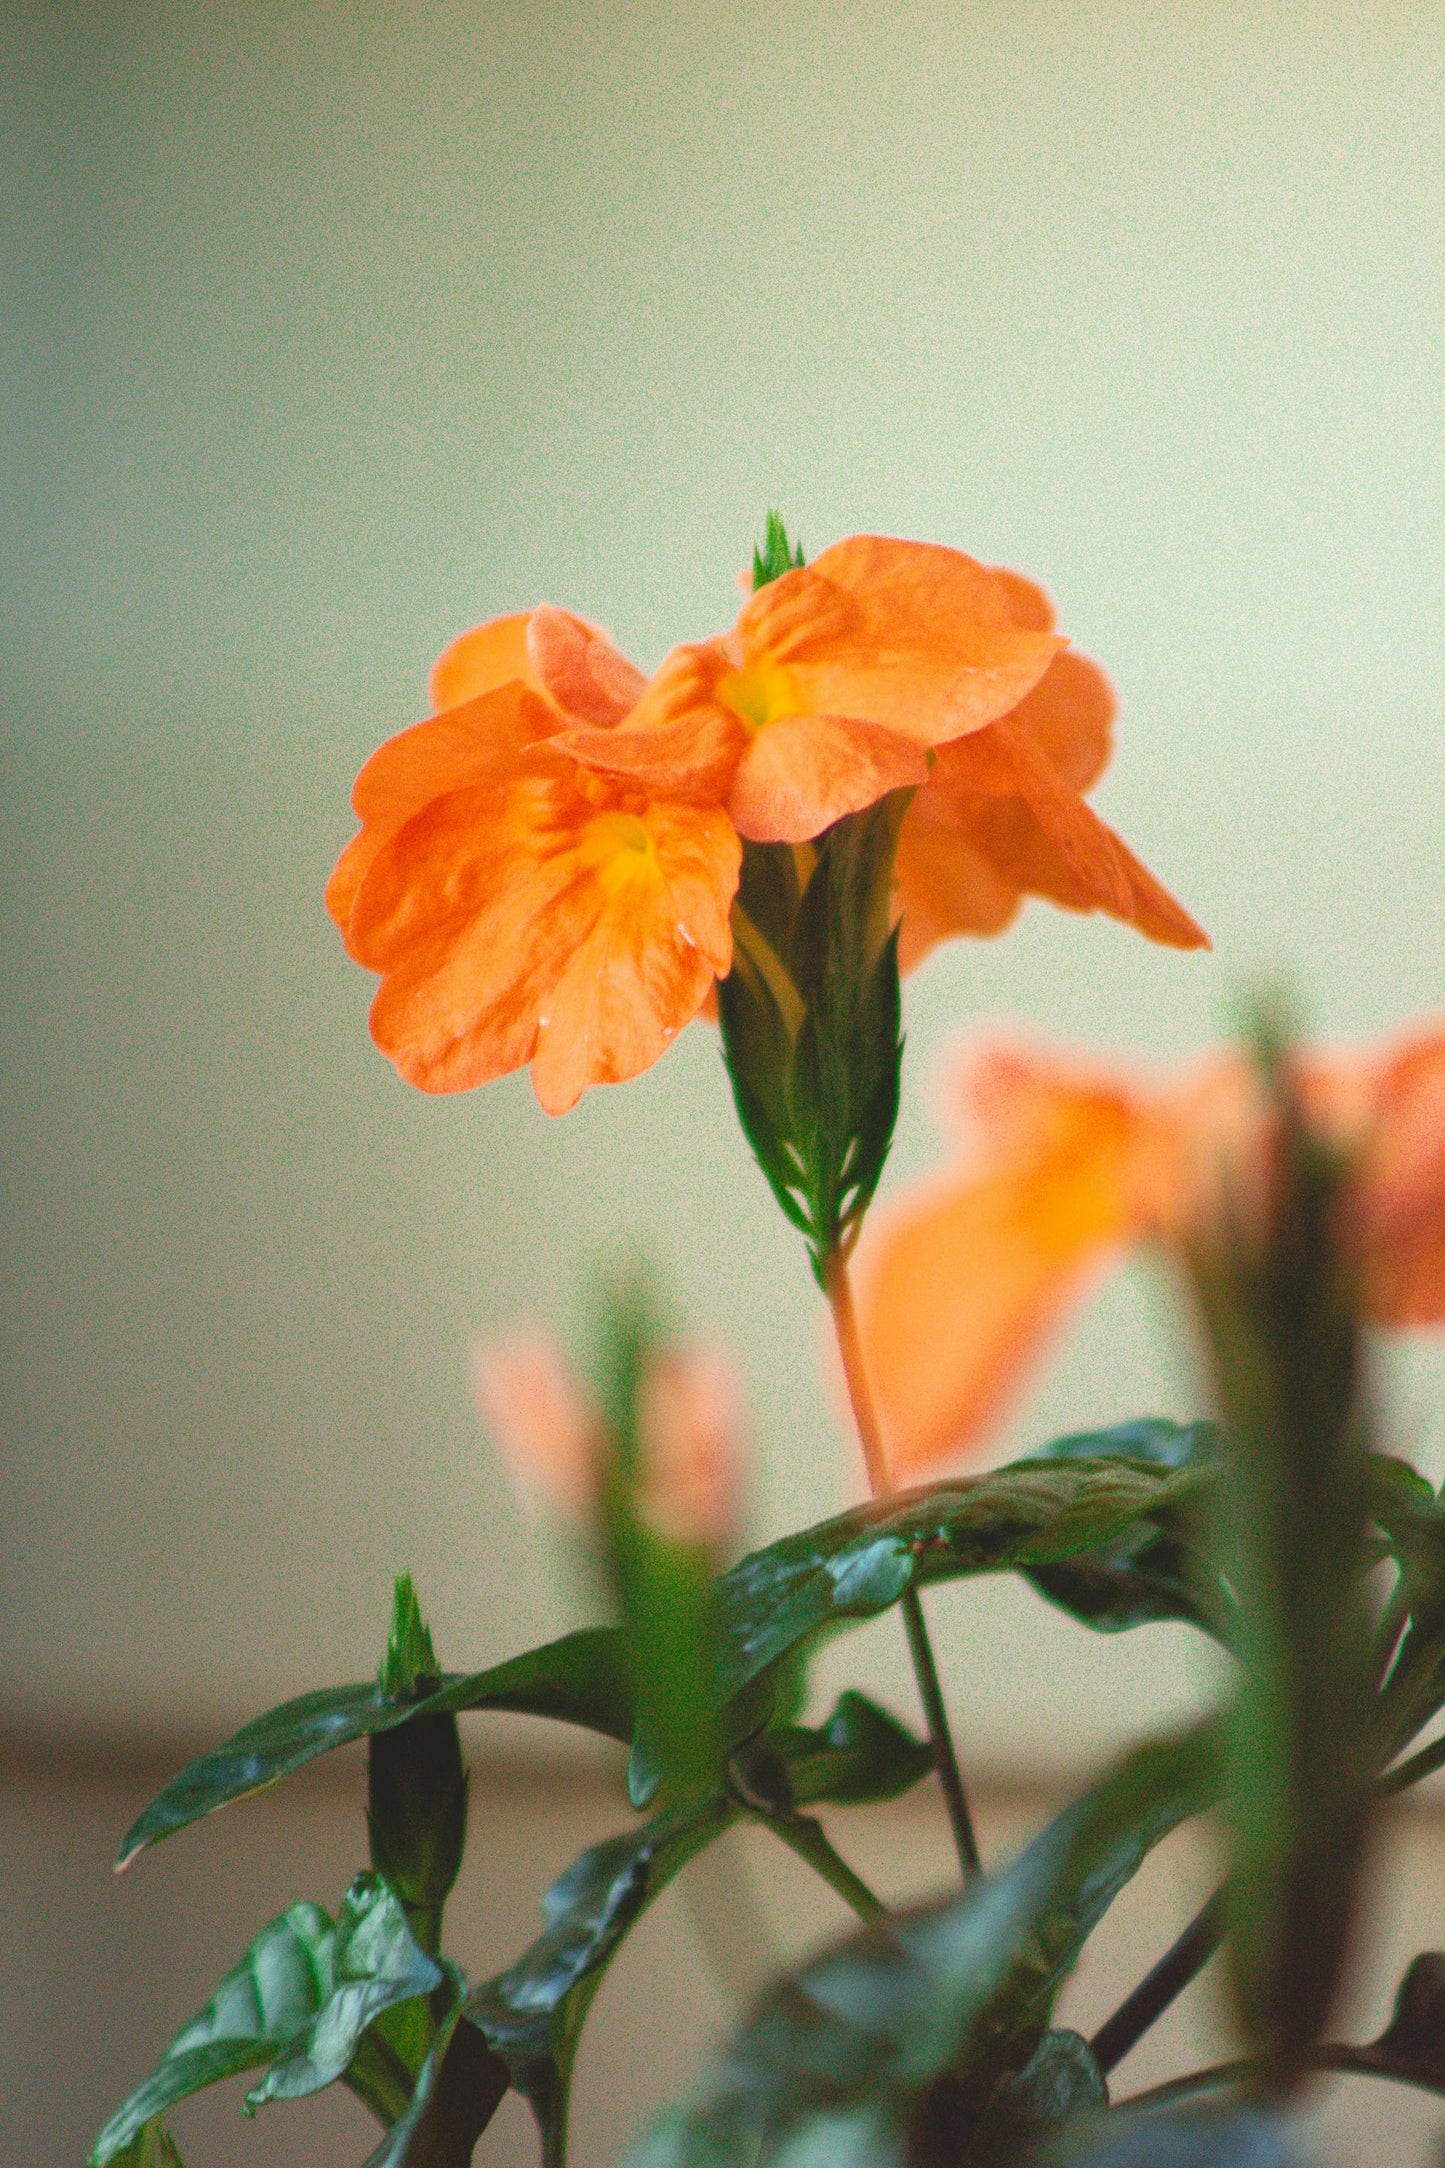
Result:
[{"x": 332, "y": 328}]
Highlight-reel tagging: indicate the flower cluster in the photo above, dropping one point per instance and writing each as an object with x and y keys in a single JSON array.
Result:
[{"x": 546, "y": 867}]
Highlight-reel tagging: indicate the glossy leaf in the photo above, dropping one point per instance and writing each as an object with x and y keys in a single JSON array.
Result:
[
  {"x": 1231, "y": 2137},
  {"x": 859, "y": 1755},
  {"x": 906, "y": 2035},
  {"x": 581, "y": 1679},
  {"x": 1157, "y": 1567},
  {"x": 375, "y": 1965},
  {"x": 263, "y": 2008},
  {"x": 778, "y": 1601},
  {"x": 459, "y": 2089},
  {"x": 531, "y": 2015}
]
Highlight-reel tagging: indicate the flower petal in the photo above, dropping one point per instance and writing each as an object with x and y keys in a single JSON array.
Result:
[
  {"x": 908, "y": 635},
  {"x": 580, "y": 667},
  {"x": 648, "y": 961},
  {"x": 803, "y": 772},
  {"x": 480, "y": 660},
  {"x": 1400, "y": 1186},
  {"x": 961, "y": 1287},
  {"x": 476, "y": 742},
  {"x": 678, "y": 738}
]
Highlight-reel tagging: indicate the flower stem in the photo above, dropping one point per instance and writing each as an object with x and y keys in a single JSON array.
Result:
[
  {"x": 1168, "y": 1979},
  {"x": 870, "y": 1437},
  {"x": 806, "y": 1838}
]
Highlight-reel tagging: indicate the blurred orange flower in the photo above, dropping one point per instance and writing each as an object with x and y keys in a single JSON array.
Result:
[
  {"x": 1064, "y": 1165},
  {"x": 832, "y": 687},
  {"x": 519, "y": 906},
  {"x": 552, "y": 1440},
  {"x": 1002, "y": 815}
]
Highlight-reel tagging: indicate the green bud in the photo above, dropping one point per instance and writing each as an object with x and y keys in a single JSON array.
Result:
[
  {"x": 776, "y": 556},
  {"x": 416, "y": 1782}
]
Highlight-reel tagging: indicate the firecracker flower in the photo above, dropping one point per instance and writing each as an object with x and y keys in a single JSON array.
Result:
[
  {"x": 519, "y": 906},
  {"x": 1064, "y": 1165}
]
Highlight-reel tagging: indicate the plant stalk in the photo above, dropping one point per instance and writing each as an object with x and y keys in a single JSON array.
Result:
[
  {"x": 1160, "y": 1986},
  {"x": 870, "y": 1437},
  {"x": 807, "y": 1839}
]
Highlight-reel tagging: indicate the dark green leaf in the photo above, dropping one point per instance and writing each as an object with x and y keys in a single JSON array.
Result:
[
  {"x": 1034, "y": 1513},
  {"x": 859, "y": 1755},
  {"x": 260, "y": 2010},
  {"x": 581, "y": 1679},
  {"x": 1060, "y": 2081},
  {"x": 864, "y": 2040},
  {"x": 1412, "y": 2046},
  {"x": 1231, "y": 2137},
  {"x": 461, "y": 2086},
  {"x": 375, "y": 1965},
  {"x": 532, "y": 2014},
  {"x": 1156, "y": 1567}
]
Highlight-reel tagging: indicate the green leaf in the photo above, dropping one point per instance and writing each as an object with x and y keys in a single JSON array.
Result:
[
  {"x": 861, "y": 1754},
  {"x": 1060, "y": 2081},
  {"x": 581, "y": 1679},
  {"x": 1230, "y": 2137},
  {"x": 912, "y": 2035},
  {"x": 775, "y": 557},
  {"x": 532, "y": 2014},
  {"x": 460, "y": 2088},
  {"x": 1154, "y": 1568},
  {"x": 1411, "y": 2049},
  {"x": 260, "y": 2010},
  {"x": 778, "y": 1601},
  {"x": 375, "y": 1965}
]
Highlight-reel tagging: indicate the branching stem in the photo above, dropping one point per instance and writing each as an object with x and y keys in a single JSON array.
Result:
[
  {"x": 1164, "y": 1984},
  {"x": 870, "y": 1437}
]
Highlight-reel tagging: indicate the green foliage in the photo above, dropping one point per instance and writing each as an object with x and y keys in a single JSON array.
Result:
[
  {"x": 460, "y": 2087},
  {"x": 811, "y": 1020},
  {"x": 904, "y": 2043},
  {"x": 1230, "y": 2137},
  {"x": 860, "y": 1755},
  {"x": 776, "y": 555},
  {"x": 581, "y": 1679},
  {"x": 151, "y": 2147},
  {"x": 1280, "y": 1314},
  {"x": 1411, "y": 2049},
  {"x": 531, "y": 2015}
]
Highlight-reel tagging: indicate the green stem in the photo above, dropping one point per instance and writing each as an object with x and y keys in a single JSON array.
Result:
[
  {"x": 920, "y": 1648},
  {"x": 1337, "y": 2060},
  {"x": 806, "y": 1838},
  {"x": 1406, "y": 1773}
]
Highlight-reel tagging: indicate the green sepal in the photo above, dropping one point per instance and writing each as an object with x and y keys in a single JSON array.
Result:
[
  {"x": 409, "y": 1669},
  {"x": 776, "y": 555},
  {"x": 811, "y": 1020},
  {"x": 582, "y": 1679},
  {"x": 531, "y": 2015},
  {"x": 911, "y": 2033}
]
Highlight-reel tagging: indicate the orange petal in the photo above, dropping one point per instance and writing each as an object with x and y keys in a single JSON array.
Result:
[
  {"x": 1070, "y": 715},
  {"x": 803, "y": 772},
  {"x": 476, "y": 742},
  {"x": 943, "y": 886},
  {"x": 581, "y": 668},
  {"x": 690, "y": 1434},
  {"x": 482, "y": 659},
  {"x": 908, "y": 635},
  {"x": 1028, "y": 604},
  {"x": 1400, "y": 1186},
  {"x": 648, "y": 962},
  {"x": 678, "y": 738},
  {"x": 961, "y": 1287},
  {"x": 548, "y": 1436}
]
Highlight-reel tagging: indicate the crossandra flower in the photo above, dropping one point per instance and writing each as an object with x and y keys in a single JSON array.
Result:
[
  {"x": 1064, "y": 1165},
  {"x": 554, "y": 1445},
  {"x": 1002, "y": 815},
  {"x": 833, "y": 686},
  {"x": 519, "y": 906}
]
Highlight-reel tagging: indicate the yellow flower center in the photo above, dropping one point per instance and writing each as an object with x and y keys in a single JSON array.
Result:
[
  {"x": 760, "y": 693},
  {"x": 617, "y": 848}
]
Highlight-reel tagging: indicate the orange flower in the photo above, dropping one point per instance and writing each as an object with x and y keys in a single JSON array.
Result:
[
  {"x": 1002, "y": 815},
  {"x": 832, "y": 687},
  {"x": 519, "y": 906},
  {"x": 552, "y": 1439},
  {"x": 1065, "y": 1165}
]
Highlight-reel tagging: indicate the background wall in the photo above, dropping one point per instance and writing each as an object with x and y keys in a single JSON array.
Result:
[{"x": 331, "y": 328}]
